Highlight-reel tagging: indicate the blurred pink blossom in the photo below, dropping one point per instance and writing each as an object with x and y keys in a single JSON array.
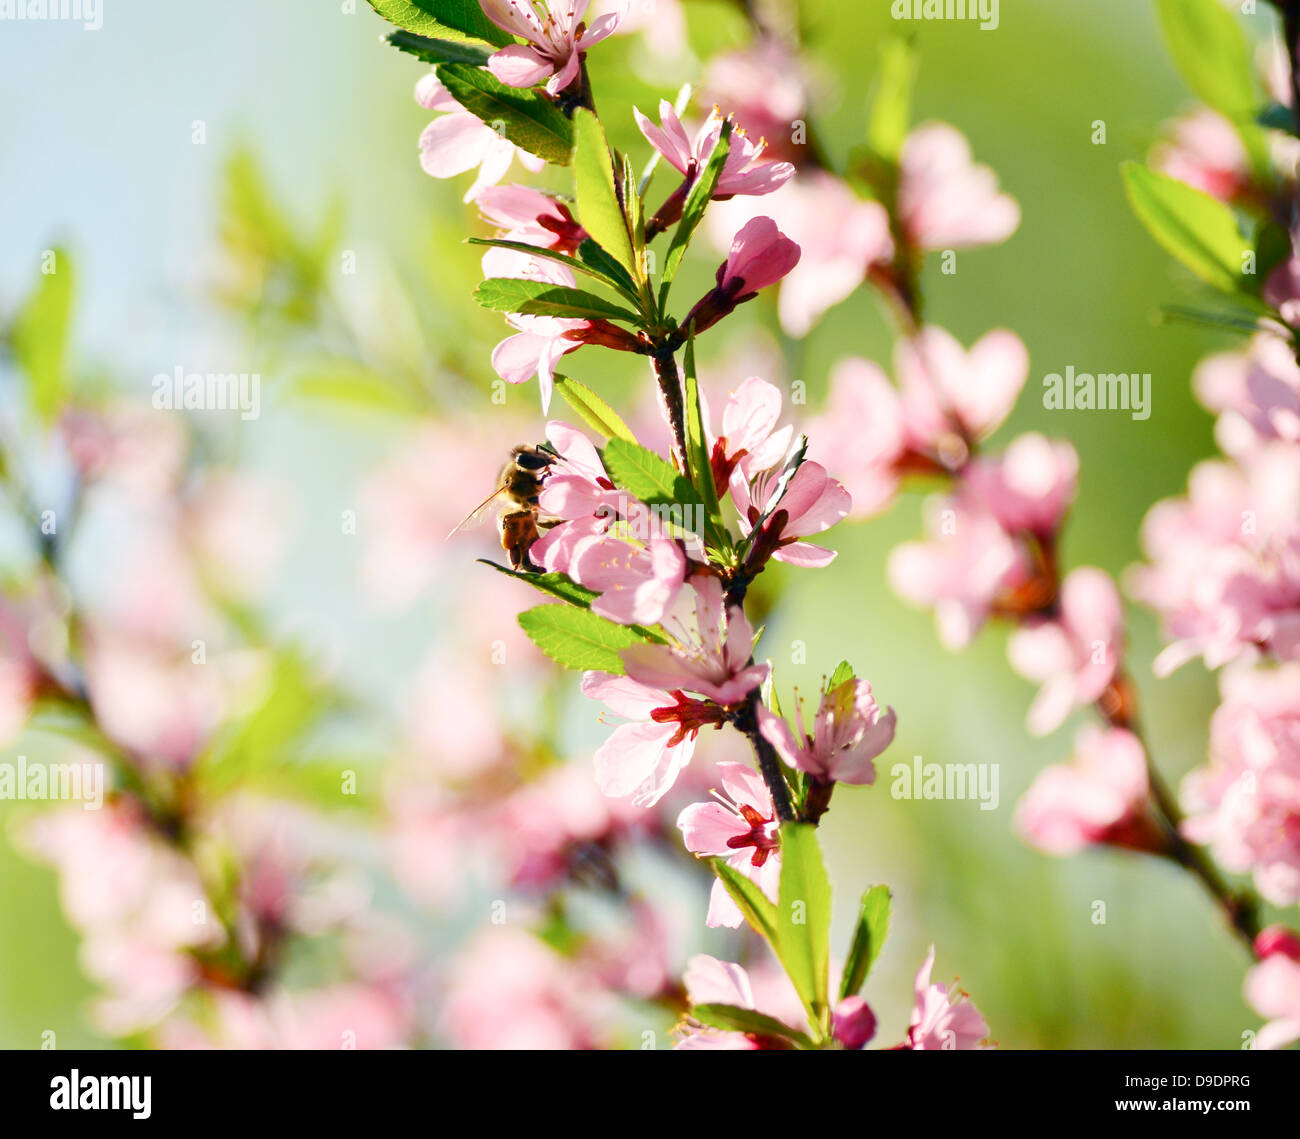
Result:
[
  {"x": 1272, "y": 987},
  {"x": 556, "y": 37}
]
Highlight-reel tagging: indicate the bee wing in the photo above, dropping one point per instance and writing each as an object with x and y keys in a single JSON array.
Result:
[{"x": 475, "y": 516}]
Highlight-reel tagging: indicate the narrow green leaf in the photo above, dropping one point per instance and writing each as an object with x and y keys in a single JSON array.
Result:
[
  {"x": 41, "y": 335},
  {"x": 1198, "y": 230},
  {"x": 646, "y": 476},
  {"x": 539, "y": 298},
  {"x": 602, "y": 214},
  {"x": 868, "y": 937},
  {"x": 1278, "y": 116},
  {"x": 803, "y": 919},
  {"x": 607, "y": 273},
  {"x": 457, "y": 20},
  {"x": 733, "y": 1018},
  {"x": 1211, "y": 52},
  {"x": 555, "y": 584},
  {"x": 523, "y": 116},
  {"x": 891, "y": 99},
  {"x": 751, "y": 901},
  {"x": 697, "y": 449},
  {"x": 593, "y": 410},
  {"x": 437, "y": 51},
  {"x": 578, "y": 638},
  {"x": 843, "y": 672},
  {"x": 597, "y": 260}
]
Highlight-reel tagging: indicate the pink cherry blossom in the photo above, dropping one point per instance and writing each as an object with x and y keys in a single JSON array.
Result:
[
  {"x": 637, "y": 584},
  {"x": 1204, "y": 150},
  {"x": 944, "y": 1018},
  {"x": 854, "y": 1023},
  {"x": 766, "y": 989},
  {"x": 459, "y": 141},
  {"x": 1255, "y": 393},
  {"x": 750, "y": 439},
  {"x": 945, "y": 200},
  {"x": 556, "y": 37},
  {"x": 643, "y": 757},
  {"x": 745, "y": 172},
  {"x": 848, "y": 732},
  {"x": 812, "y": 502},
  {"x": 1099, "y": 797},
  {"x": 1029, "y": 487},
  {"x": 860, "y": 437},
  {"x": 1073, "y": 655},
  {"x": 946, "y": 388},
  {"x": 742, "y": 827},
  {"x": 540, "y": 341},
  {"x": 1272, "y": 987},
  {"x": 524, "y": 214},
  {"x": 970, "y": 563},
  {"x": 709, "y": 654},
  {"x": 1246, "y": 803},
  {"x": 765, "y": 86}
]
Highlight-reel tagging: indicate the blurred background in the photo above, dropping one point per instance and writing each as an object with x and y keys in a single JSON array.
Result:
[{"x": 176, "y": 152}]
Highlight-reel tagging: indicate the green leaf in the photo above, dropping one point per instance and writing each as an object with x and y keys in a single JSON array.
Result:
[
  {"x": 646, "y": 476},
  {"x": 437, "y": 51},
  {"x": 891, "y": 99},
  {"x": 733, "y": 1018},
  {"x": 868, "y": 937},
  {"x": 749, "y": 899},
  {"x": 1211, "y": 51},
  {"x": 697, "y": 201},
  {"x": 1279, "y": 117},
  {"x": 598, "y": 261},
  {"x": 598, "y": 203},
  {"x": 697, "y": 450},
  {"x": 539, "y": 298},
  {"x": 843, "y": 673},
  {"x": 579, "y": 638},
  {"x": 803, "y": 919},
  {"x": 608, "y": 273},
  {"x": 523, "y": 116},
  {"x": 1198, "y": 230},
  {"x": 41, "y": 335},
  {"x": 556, "y": 584},
  {"x": 593, "y": 410},
  {"x": 457, "y": 20}
]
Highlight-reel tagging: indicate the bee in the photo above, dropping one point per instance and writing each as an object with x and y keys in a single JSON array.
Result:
[{"x": 518, "y": 487}]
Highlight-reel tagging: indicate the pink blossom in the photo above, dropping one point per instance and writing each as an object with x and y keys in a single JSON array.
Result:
[
  {"x": 710, "y": 652},
  {"x": 860, "y": 437},
  {"x": 767, "y": 990},
  {"x": 459, "y": 141},
  {"x": 556, "y": 37},
  {"x": 767, "y": 90},
  {"x": 527, "y": 215},
  {"x": 812, "y": 502},
  {"x": 1272, "y": 987},
  {"x": 540, "y": 341},
  {"x": 840, "y": 237},
  {"x": 944, "y": 1018},
  {"x": 1098, "y": 798},
  {"x": 849, "y": 731},
  {"x": 854, "y": 1023},
  {"x": 1204, "y": 150},
  {"x": 745, "y": 170},
  {"x": 970, "y": 563},
  {"x": 945, "y": 200},
  {"x": 1073, "y": 655},
  {"x": 577, "y": 493},
  {"x": 742, "y": 827},
  {"x": 643, "y": 757},
  {"x": 637, "y": 584},
  {"x": 1246, "y": 803},
  {"x": 1255, "y": 393},
  {"x": 760, "y": 256},
  {"x": 946, "y": 388},
  {"x": 750, "y": 439},
  {"x": 1029, "y": 487},
  {"x": 1224, "y": 572}
]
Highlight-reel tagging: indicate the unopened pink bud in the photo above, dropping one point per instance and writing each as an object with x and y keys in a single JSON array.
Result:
[{"x": 855, "y": 1023}]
